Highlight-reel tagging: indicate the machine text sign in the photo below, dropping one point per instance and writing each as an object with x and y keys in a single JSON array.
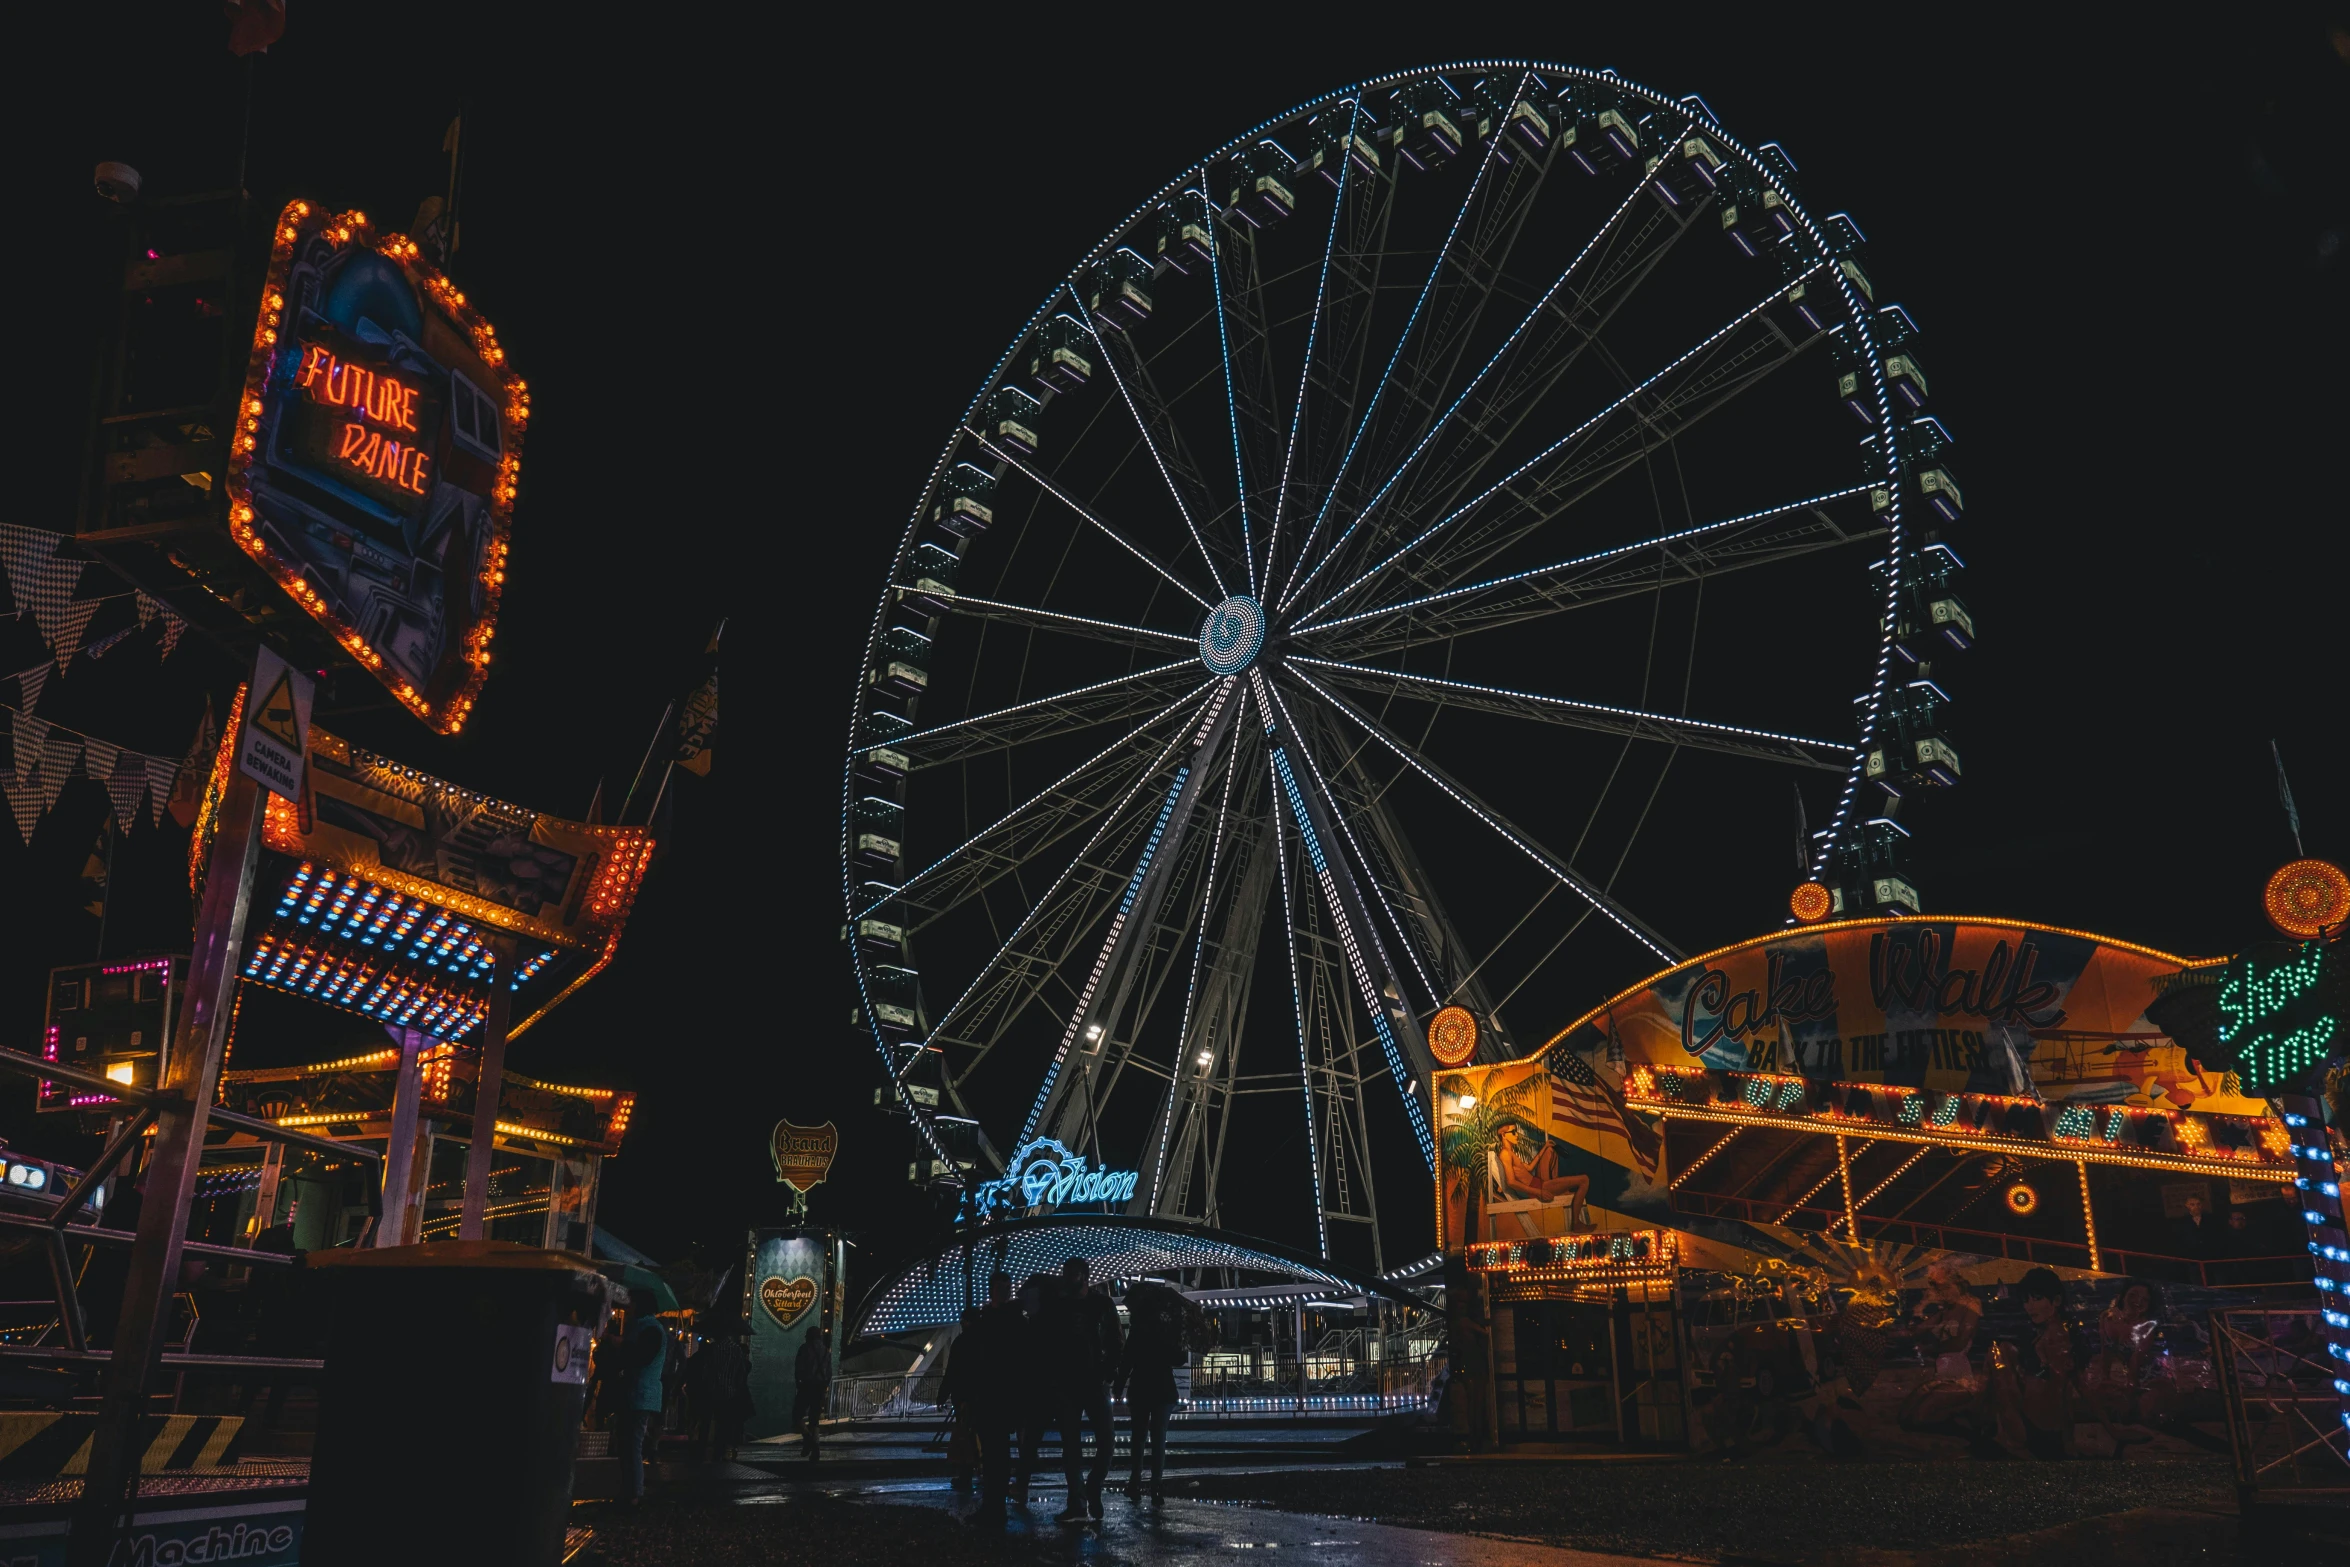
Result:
[{"x": 1044, "y": 1174}]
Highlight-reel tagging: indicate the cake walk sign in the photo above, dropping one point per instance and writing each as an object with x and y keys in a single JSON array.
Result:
[{"x": 803, "y": 1158}]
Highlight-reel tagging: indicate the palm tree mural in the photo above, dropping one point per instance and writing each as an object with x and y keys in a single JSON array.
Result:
[{"x": 1473, "y": 1135}]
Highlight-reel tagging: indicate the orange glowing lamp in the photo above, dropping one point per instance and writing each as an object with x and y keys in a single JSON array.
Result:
[
  {"x": 1809, "y": 902},
  {"x": 2307, "y": 898},
  {"x": 1452, "y": 1036}
]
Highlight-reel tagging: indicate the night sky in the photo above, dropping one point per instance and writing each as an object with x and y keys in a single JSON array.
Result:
[{"x": 753, "y": 278}]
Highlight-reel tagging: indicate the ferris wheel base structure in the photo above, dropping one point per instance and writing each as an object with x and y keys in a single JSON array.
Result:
[{"x": 1296, "y": 637}]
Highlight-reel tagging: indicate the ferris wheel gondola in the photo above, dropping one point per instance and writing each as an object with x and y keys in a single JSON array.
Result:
[{"x": 1393, "y": 443}]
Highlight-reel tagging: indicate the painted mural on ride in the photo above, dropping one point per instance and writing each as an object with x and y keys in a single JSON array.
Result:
[{"x": 1983, "y": 1033}]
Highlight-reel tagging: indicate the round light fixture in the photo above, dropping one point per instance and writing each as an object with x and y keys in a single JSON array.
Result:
[
  {"x": 2307, "y": 897},
  {"x": 1452, "y": 1035},
  {"x": 1809, "y": 902},
  {"x": 2021, "y": 1198}
]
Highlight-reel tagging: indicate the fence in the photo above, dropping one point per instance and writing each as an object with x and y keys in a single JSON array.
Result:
[{"x": 2284, "y": 1415}]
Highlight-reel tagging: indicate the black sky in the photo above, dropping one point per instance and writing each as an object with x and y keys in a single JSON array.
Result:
[{"x": 754, "y": 274}]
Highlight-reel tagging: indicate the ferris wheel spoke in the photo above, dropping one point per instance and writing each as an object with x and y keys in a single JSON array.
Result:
[
  {"x": 1134, "y": 927},
  {"x": 1363, "y": 423},
  {"x": 1064, "y": 712},
  {"x": 1124, "y": 543},
  {"x": 1412, "y": 891},
  {"x": 1239, "y": 314},
  {"x": 1159, "y": 437},
  {"x": 1180, "y": 1083},
  {"x": 1043, "y": 818},
  {"x": 1566, "y": 320},
  {"x": 1305, "y": 373},
  {"x": 1629, "y": 450},
  {"x": 1045, "y": 916},
  {"x": 1333, "y": 809},
  {"x": 1631, "y": 399},
  {"x": 1522, "y": 841},
  {"x": 1631, "y": 723},
  {"x": 1297, "y": 999},
  {"x": 1689, "y": 555},
  {"x": 1036, "y": 619}
]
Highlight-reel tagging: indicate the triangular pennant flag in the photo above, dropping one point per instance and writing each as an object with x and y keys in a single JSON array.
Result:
[
  {"x": 65, "y": 636},
  {"x": 57, "y": 759},
  {"x": 125, "y": 781},
  {"x": 149, "y": 607},
  {"x": 98, "y": 757},
  {"x": 29, "y": 736},
  {"x": 162, "y": 771},
  {"x": 172, "y": 627},
  {"x": 29, "y": 683},
  {"x": 44, "y": 585}
]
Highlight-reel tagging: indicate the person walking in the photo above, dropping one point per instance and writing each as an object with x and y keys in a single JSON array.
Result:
[
  {"x": 1084, "y": 1345},
  {"x": 635, "y": 1390},
  {"x": 718, "y": 1393},
  {"x": 1155, "y": 1346},
  {"x": 987, "y": 1373},
  {"x": 811, "y": 1388},
  {"x": 1032, "y": 1393}
]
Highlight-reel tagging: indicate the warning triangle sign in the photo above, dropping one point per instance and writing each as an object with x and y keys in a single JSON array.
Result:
[
  {"x": 273, "y": 732},
  {"x": 274, "y": 716}
]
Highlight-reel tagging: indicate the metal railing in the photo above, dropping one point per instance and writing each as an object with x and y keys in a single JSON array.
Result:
[{"x": 2284, "y": 1415}]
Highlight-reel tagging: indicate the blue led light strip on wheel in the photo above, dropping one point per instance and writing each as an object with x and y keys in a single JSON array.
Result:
[
  {"x": 1354, "y": 956},
  {"x": 1109, "y": 946}
]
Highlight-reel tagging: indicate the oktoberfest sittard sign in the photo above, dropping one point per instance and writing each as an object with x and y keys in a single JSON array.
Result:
[
  {"x": 273, "y": 742},
  {"x": 787, "y": 1300},
  {"x": 803, "y": 1154},
  {"x": 376, "y": 457},
  {"x": 1044, "y": 1174}
]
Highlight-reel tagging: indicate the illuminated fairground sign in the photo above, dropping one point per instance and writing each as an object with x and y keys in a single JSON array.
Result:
[
  {"x": 1044, "y": 1174},
  {"x": 387, "y": 891},
  {"x": 377, "y": 449}
]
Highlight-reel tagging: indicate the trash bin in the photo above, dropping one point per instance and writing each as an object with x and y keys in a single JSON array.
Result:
[{"x": 455, "y": 1381}]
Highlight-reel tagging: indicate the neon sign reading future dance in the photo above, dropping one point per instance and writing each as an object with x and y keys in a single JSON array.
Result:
[{"x": 1044, "y": 1173}]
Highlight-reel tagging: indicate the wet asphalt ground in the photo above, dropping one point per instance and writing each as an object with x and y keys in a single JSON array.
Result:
[{"x": 2144, "y": 1512}]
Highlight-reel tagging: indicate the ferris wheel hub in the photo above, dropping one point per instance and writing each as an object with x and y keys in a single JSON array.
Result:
[{"x": 1233, "y": 635}]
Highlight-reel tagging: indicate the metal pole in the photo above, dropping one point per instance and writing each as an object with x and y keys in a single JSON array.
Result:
[
  {"x": 400, "y": 1147},
  {"x": 481, "y": 1141},
  {"x": 193, "y": 1079}
]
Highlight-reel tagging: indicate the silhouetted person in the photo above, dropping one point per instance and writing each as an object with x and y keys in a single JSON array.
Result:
[
  {"x": 634, "y": 1389},
  {"x": 811, "y": 1388},
  {"x": 718, "y": 1392},
  {"x": 1082, "y": 1349},
  {"x": 988, "y": 1368},
  {"x": 1035, "y": 1399},
  {"x": 2195, "y": 1233},
  {"x": 1146, "y": 1377}
]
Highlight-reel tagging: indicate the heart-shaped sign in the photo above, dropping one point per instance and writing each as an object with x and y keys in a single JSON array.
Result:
[{"x": 787, "y": 1300}]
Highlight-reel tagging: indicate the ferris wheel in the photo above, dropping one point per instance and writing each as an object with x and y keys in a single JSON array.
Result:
[{"x": 1368, "y": 582}]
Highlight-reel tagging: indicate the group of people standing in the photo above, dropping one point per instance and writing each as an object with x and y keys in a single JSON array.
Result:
[{"x": 1049, "y": 1355}]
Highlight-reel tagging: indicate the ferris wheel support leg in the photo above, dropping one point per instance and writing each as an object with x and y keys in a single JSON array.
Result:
[
  {"x": 1114, "y": 967},
  {"x": 1375, "y": 977}
]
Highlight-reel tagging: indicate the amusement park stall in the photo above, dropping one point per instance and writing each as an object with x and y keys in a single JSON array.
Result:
[{"x": 1800, "y": 1131}]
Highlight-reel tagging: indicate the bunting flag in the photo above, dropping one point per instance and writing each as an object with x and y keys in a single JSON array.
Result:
[
  {"x": 162, "y": 775},
  {"x": 149, "y": 607},
  {"x": 27, "y": 736},
  {"x": 49, "y": 589},
  {"x": 190, "y": 772},
  {"x": 29, "y": 683},
  {"x": 44, "y": 755}
]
